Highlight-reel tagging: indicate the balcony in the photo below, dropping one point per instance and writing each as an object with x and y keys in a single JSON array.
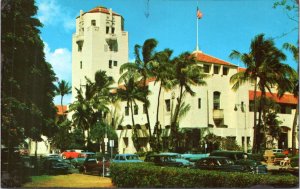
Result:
[
  {"x": 110, "y": 37},
  {"x": 79, "y": 39},
  {"x": 218, "y": 114}
]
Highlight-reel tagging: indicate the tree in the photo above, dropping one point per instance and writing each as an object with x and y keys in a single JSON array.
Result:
[
  {"x": 27, "y": 79},
  {"x": 291, "y": 8},
  {"x": 130, "y": 92},
  {"x": 63, "y": 89},
  {"x": 295, "y": 90},
  {"x": 141, "y": 65},
  {"x": 187, "y": 73},
  {"x": 265, "y": 69},
  {"x": 162, "y": 70}
]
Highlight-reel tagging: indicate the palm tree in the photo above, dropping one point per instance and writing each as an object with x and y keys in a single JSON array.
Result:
[
  {"x": 187, "y": 73},
  {"x": 295, "y": 91},
  {"x": 162, "y": 69},
  {"x": 265, "y": 70},
  {"x": 141, "y": 65},
  {"x": 62, "y": 89},
  {"x": 83, "y": 115},
  {"x": 92, "y": 104},
  {"x": 131, "y": 92}
]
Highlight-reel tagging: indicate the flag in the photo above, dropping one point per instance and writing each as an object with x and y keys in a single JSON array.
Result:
[{"x": 199, "y": 14}]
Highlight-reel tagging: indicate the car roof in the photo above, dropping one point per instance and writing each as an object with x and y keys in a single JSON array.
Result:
[
  {"x": 87, "y": 153},
  {"x": 126, "y": 155},
  {"x": 215, "y": 157},
  {"x": 169, "y": 153}
]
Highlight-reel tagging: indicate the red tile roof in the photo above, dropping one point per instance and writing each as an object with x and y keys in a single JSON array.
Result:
[
  {"x": 210, "y": 59},
  {"x": 241, "y": 69},
  {"x": 285, "y": 99},
  {"x": 102, "y": 10},
  {"x": 61, "y": 109}
]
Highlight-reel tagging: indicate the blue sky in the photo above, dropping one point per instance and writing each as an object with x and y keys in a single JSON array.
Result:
[{"x": 226, "y": 25}]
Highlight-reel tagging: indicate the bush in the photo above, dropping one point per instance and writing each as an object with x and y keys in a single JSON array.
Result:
[
  {"x": 257, "y": 157},
  {"x": 150, "y": 176},
  {"x": 295, "y": 161}
]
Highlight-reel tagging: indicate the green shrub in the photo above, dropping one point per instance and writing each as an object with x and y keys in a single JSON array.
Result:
[
  {"x": 257, "y": 157},
  {"x": 295, "y": 161},
  {"x": 151, "y": 176},
  {"x": 279, "y": 155}
]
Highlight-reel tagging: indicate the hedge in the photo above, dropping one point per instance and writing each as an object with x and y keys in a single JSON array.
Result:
[{"x": 150, "y": 176}]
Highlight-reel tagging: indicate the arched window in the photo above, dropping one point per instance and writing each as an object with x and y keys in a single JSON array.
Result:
[{"x": 216, "y": 98}]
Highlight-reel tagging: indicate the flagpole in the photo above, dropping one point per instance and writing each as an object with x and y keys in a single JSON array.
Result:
[
  {"x": 197, "y": 47},
  {"x": 197, "y": 20}
]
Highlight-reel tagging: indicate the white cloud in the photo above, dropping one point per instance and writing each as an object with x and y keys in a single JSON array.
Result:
[
  {"x": 51, "y": 13},
  {"x": 61, "y": 61}
]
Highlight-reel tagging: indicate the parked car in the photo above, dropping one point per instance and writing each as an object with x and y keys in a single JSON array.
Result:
[
  {"x": 93, "y": 166},
  {"x": 77, "y": 162},
  {"x": 130, "y": 158},
  {"x": 241, "y": 158},
  {"x": 177, "y": 158},
  {"x": 221, "y": 164},
  {"x": 71, "y": 154},
  {"x": 55, "y": 166},
  {"x": 194, "y": 157},
  {"x": 163, "y": 160}
]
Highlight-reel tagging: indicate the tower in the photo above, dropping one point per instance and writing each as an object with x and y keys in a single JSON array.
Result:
[{"x": 99, "y": 43}]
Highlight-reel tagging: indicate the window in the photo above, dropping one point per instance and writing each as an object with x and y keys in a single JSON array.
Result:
[
  {"x": 144, "y": 108},
  {"x": 216, "y": 98},
  {"x": 225, "y": 70},
  {"x": 126, "y": 110},
  {"x": 80, "y": 64},
  {"x": 285, "y": 109},
  {"x": 107, "y": 29},
  {"x": 110, "y": 64},
  {"x": 115, "y": 63},
  {"x": 199, "y": 103},
  {"x": 136, "y": 110},
  {"x": 93, "y": 22},
  {"x": 112, "y": 30},
  {"x": 168, "y": 105},
  {"x": 79, "y": 46},
  {"x": 216, "y": 69},
  {"x": 206, "y": 68},
  {"x": 248, "y": 141}
]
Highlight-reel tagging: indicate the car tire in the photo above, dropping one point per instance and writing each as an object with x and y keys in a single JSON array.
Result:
[
  {"x": 64, "y": 157},
  {"x": 84, "y": 170}
]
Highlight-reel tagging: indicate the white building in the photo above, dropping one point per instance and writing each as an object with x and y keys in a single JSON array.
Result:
[{"x": 100, "y": 42}]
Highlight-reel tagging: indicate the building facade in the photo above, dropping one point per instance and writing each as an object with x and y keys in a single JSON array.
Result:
[{"x": 100, "y": 43}]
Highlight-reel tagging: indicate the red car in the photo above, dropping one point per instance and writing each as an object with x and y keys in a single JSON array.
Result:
[{"x": 71, "y": 154}]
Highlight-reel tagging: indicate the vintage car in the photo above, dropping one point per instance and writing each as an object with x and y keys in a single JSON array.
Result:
[
  {"x": 220, "y": 164},
  {"x": 241, "y": 158},
  {"x": 164, "y": 160},
  {"x": 77, "y": 162},
  {"x": 55, "y": 166},
  {"x": 68, "y": 154},
  {"x": 129, "y": 158},
  {"x": 93, "y": 166}
]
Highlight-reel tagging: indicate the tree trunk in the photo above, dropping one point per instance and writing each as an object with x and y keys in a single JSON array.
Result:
[
  {"x": 254, "y": 147},
  {"x": 147, "y": 113},
  {"x": 294, "y": 130},
  {"x": 259, "y": 138},
  {"x": 134, "y": 134},
  {"x": 157, "y": 129},
  {"x": 174, "y": 120}
]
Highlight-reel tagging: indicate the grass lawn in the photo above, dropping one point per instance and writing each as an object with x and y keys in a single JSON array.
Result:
[{"x": 70, "y": 180}]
